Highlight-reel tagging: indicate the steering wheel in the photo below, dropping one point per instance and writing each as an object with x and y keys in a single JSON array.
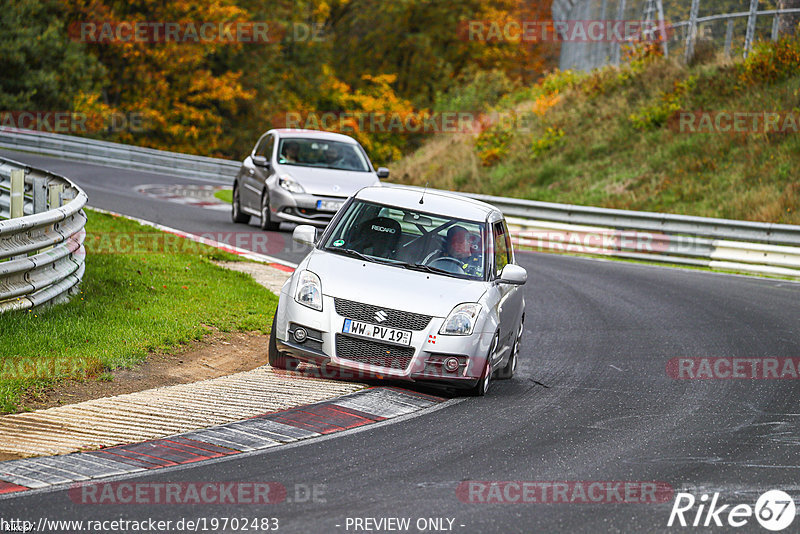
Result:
[{"x": 448, "y": 259}]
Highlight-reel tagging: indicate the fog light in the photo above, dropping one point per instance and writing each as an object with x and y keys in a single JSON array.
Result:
[
  {"x": 300, "y": 334},
  {"x": 451, "y": 365}
]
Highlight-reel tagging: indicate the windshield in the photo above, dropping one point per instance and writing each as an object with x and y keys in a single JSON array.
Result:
[
  {"x": 411, "y": 240},
  {"x": 305, "y": 152}
]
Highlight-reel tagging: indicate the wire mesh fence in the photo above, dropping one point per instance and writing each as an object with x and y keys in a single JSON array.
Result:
[{"x": 689, "y": 30}]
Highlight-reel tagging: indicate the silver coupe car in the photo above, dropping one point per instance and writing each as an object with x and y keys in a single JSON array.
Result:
[
  {"x": 405, "y": 284},
  {"x": 300, "y": 176}
]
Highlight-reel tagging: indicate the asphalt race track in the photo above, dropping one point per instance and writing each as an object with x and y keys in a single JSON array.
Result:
[
  {"x": 115, "y": 190},
  {"x": 592, "y": 401}
]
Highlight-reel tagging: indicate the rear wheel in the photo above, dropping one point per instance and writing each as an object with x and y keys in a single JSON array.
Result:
[
  {"x": 236, "y": 208},
  {"x": 266, "y": 222},
  {"x": 277, "y": 359}
]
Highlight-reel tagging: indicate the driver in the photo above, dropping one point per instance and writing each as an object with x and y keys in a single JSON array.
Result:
[
  {"x": 290, "y": 152},
  {"x": 332, "y": 156},
  {"x": 459, "y": 246}
]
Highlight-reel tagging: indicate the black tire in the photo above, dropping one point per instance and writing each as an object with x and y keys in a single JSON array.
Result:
[
  {"x": 507, "y": 372},
  {"x": 277, "y": 359},
  {"x": 482, "y": 387},
  {"x": 267, "y": 224},
  {"x": 236, "y": 208}
]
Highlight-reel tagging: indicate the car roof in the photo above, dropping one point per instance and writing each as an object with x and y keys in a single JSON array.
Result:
[
  {"x": 314, "y": 134},
  {"x": 436, "y": 201}
]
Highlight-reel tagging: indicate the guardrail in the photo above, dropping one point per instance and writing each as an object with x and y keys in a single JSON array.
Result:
[
  {"x": 118, "y": 155},
  {"x": 755, "y": 247},
  {"x": 41, "y": 236}
]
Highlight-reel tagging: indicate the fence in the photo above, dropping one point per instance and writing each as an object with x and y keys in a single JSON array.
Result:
[
  {"x": 763, "y": 248},
  {"x": 41, "y": 236},
  {"x": 690, "y": 27}
]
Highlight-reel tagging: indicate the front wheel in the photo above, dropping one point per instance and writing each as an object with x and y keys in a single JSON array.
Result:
[
  {"x": 277, "y": 359},
  {"x": 482, "y": 386},
  {"x": 507, "y": 372}
]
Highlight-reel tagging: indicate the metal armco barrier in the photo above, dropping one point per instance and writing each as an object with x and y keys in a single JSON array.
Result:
[
  {"x": 762, "y": 248},
  {"x": 214, "y": 170},
  {"x": 41, "y": 244},
  {"x": 655, "y": 246}
]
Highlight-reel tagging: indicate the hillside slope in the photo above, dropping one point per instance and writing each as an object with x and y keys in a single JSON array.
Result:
[{"x": 621, "y": 138}]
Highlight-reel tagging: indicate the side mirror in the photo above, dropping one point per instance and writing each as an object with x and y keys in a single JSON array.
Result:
[
  {"x": 513, "y": 274},
  {"x": 305, "y": 234},
  {"x": 383, "y": 173},
  {"x": 260, "y": 161}
]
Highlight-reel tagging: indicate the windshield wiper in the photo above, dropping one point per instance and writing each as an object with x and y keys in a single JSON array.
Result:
[
  {"x": 427, "y": 269},
  {"x": 350, "y": 252},
  {"x": 360, "y": 255}
]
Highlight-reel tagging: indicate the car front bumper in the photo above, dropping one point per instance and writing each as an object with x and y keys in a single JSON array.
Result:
[
  {"x": 345, "y": 356},
  {"x": 301, "y": 208}
]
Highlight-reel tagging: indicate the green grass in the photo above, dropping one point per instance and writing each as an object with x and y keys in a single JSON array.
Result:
[
  {"x": 611, "y": 139},
  {"x": 225, "y": 195},
  {"x": 152, "y": 299}
]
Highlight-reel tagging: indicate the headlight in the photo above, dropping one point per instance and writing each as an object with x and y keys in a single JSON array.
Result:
[
  {"x": 290, "y": 184},
  {"x": 461, "y": 320},
  {"x": 309, "y": 291}
]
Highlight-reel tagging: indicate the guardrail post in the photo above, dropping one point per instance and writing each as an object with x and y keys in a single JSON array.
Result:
[
  {"x": 729, "y": 38},
  {"x": 751, "y": 28},
  {"x": 54, "y": 193},
  {"x": 775, "y": 22},
  {"x": 692, "y": 32},
  {"x": 17, "y": 193},
  {"x": 39, "y": 194}
]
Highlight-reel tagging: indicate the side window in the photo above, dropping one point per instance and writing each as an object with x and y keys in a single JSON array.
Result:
[
  {"x": 502, "y": 252},
  {"x": 265, "y": 145}
]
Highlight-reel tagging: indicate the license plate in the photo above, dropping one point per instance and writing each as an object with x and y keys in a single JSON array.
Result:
[
  {"x": 374, "y": 331},
  {"x": 329, "y": 205}
]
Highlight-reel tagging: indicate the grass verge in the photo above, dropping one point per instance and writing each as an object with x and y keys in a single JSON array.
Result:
[
  {"x": 164, "y": 292},
  {"x": 225, "y": 195}
]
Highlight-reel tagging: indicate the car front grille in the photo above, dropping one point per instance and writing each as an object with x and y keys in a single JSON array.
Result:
[
  {"x": 373, "y": 352},
  {"x": 393, "y": 318}
]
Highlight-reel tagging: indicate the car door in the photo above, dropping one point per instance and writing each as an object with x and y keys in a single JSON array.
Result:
[
  {"x": 508, "y": 305},
  {"x": 256, "y": 175}
]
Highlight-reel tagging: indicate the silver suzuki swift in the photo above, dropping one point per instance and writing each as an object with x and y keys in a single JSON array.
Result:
[{"x": 405, "y": 284}]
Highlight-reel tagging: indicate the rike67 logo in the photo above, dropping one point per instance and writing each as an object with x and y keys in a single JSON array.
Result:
[{"x": 774, "y": 510}]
